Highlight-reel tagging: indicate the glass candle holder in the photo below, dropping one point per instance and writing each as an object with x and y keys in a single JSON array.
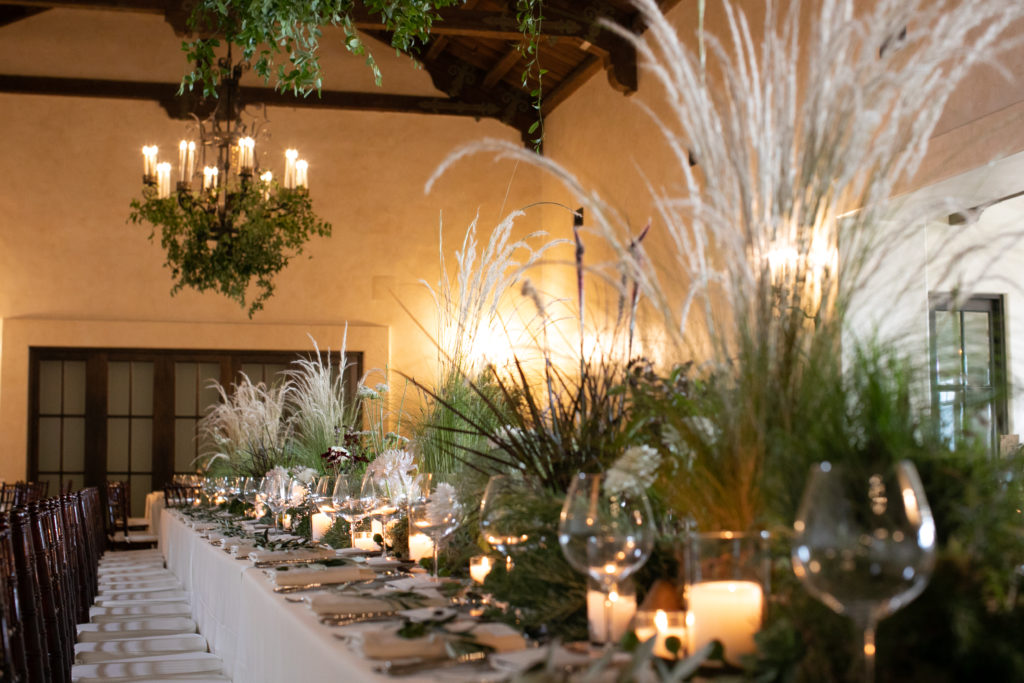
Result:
[
  {"x": 727, "y": 584},
  {"x": 621, "y": 600}
]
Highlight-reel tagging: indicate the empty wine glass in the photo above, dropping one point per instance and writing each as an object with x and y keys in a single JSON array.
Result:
[
  {"x": 436, "y": 512},
  {"x": 382, "y": 501},
  {"x": 275, "y": 492},
  {"x": 864, "y": 544},
  {"x": 250, "y": 491},
  {"x": 504, "y": 523},
  {"x": 605, "y": 532},
  {"x": 346, "y": 497}
]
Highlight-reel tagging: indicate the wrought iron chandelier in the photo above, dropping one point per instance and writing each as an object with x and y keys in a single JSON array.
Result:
[{"x": 233, "y": 226}]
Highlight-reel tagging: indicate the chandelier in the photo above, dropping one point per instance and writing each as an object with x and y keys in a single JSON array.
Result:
[{"x": 227, "y": 224}]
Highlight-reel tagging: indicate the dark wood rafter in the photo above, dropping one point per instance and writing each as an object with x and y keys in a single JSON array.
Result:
[
  {"x": 473, "y": 56},
  {"x": 181, "y": 107}
]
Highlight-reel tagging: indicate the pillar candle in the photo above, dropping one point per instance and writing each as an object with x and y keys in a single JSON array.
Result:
[
  {"x": 727, "y": 610},
  {"x": 420, "y": 546},
  {"x": 623, "y": 608},
  {"x": 321, "y": 523},
  {"x": 364, "y": 541},
  {"x": 301, "y": 173}
]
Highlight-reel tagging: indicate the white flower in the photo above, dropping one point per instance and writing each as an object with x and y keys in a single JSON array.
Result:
[
  {"x": 278, "y": 472},
  {"x": 304, "y": 474},
  {"x": 365, "y": 392},
  {"x": 442, "y": 506},
  {"x": 397, "y": 467},
  {"x": 381, "y": 388},
  {"x": 636, "y": 468}
]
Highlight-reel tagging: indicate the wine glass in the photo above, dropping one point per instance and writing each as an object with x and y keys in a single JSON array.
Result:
[
  {"x": 864, "y": 544},
  {"x": 503, "y": 523},
  {"x": 606, "y": 532},
  {"x": 250, "y": 491},
  {"x": 346, "y": 497},
  {"x": 382, "y": 500},
  {"x": 436, "y": 512},
  {"x": 275, "y": 492}
]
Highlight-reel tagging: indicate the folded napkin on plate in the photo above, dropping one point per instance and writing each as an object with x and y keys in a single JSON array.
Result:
[
  {"x": 241, "y": 549},
  {"x": 385, "y": 643},
  {"x": 350, "y": 552},
  {"x": 326, "y": 604},
  {"x": 321, "y": 575},
  {"x": 293, "y": 555}
]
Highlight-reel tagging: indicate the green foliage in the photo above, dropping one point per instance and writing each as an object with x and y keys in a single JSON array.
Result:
[
  {"x": 203, "y": 255},
  {"x": 530, "y": 16},
  {"x": 280, "y": 39}
]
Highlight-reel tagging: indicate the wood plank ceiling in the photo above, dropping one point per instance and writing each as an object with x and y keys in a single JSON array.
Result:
[{"x": 473, "y": 56}]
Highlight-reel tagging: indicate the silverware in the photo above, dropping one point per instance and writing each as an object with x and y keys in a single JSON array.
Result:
[
  {"x": 352, "y": 618},
  {"x": 418, "y": 666}
]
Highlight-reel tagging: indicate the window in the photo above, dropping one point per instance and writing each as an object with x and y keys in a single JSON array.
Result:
[
  {"x": 131, "y": 414},
  {"x": 968, "y": 367}
]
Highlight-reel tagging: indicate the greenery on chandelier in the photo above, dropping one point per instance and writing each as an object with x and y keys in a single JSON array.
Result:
[{"x": 236, "y": 253}]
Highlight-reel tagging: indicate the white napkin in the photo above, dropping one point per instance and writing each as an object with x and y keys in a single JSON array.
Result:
[
  {"x": 385, "y": 643},
  {"x": 293, "y": 555},
  {"x": 322, "y": 575},
  {"x": 324, "y": 604}
]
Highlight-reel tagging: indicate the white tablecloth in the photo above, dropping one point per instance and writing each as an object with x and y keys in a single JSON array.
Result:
[
  {"x": 261, "y": 637},
  {"x": 154, "y": 506}
]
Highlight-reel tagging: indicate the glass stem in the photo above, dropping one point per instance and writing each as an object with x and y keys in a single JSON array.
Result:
[
  {"x": 868, "y": 651},
  {"x": 435, "y": 559}
]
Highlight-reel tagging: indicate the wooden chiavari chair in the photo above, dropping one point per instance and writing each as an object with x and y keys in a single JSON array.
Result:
[
  {"x": 29, "y": 597},
  {"x": 119, "y": 533},
  {"x": 14, "y": 666}
]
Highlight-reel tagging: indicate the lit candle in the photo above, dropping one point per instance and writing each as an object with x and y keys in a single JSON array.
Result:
[
  {"x": 420, "y": 546},
  {"x": 210, "y": 177},
  {"x": 727, "y": 610},
  {"x": 302, "y": 173},
  {"x": 245, "y": 155},
  {"x": 290, "y": 156},
  {"x": 186, "y": 161},
  {"x": 662, "y": 625},
  {"x": 364, "y": 541},
  {"x": 321, "y": 524},
  {"x": 623, "y": 608},
  {"x": 149, "y": 162},
  {"x": 479, "y": 567},
  {"x": 163, "y": 180},
  {"x": 265, "y": 180},
  {"x": 286, "y": 522}
]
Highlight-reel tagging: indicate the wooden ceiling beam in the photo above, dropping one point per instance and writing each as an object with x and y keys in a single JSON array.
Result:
[
  {"x": 181, "y": 107},
  {"x": 145, "y": 6},
  {"x": 502, "y": 67}
]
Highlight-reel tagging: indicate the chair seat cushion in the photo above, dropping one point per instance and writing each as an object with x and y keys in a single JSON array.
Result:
[
  {"x": 120, "y": 630},
  {"x": 100, "y": 651},
  {"x": 99, "y": 615},
  {"x": 156, "y": 665}
]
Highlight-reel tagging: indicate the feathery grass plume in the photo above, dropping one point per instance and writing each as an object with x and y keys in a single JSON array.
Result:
[
  {"x": 321, "y": 409},
  {"x": 801, "y": 138},
  {"x": 469, "y": 320},
  {"x": 247, "y": 428}
]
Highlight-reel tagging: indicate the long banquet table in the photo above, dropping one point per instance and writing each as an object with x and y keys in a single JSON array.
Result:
[{"x": 261, "y": 637}]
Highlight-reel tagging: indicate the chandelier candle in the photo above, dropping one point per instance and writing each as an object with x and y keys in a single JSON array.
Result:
[
  {"x": 210, "y": 177},
  {"x": 290, "y": 156},
  {"x": 163, "y": 180},
  {"x": 186, "y": 161},
  {"x": 245, "y": 155},
  {"x": 149, "y": 164},
  {"x": 301, "y": 173}
]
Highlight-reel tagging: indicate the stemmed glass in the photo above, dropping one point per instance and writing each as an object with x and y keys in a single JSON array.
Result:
[
  {"x": 605, "y": 532},
  {"x": 346, "y": 497},
  {"x": 276, "y": 491},
  {"x": 864, "y": 544},
  {"x": 436, "y": 511},
  {"x": 250, "y": 491},
  {"x": 501, "y": 521},
  {"x": 383, "y": 502}
]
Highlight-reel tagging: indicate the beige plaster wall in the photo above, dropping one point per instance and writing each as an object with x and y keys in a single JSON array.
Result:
[{"x": 73, "y": 272}]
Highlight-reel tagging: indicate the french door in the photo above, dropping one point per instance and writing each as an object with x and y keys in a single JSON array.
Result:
[{"x": 131, "y": 414}]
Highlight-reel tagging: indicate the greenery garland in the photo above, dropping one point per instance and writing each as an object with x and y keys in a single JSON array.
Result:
[{"x": 201, "y": 254}]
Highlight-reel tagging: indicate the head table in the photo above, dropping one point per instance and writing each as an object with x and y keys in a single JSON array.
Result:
[{"x": 261, "y": 637}]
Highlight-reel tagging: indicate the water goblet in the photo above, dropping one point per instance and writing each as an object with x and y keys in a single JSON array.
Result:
[
  {"x": 864, "y": 544},
  {"x": 382, "y": 501},
  {"x": 275, "y": 493},
  {"x": 606, "y": 532},
  {"x": 436, "y": 512}
]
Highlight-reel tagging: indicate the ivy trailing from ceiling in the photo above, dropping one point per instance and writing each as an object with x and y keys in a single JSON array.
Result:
[
  {"x": 280, "y": 39},
  {"x": 205, "y": 255},
  {"x": 530, "y": 16}
]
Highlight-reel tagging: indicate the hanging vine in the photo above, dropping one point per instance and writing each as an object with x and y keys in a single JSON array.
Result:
[{"x": 530, "y": 16}]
